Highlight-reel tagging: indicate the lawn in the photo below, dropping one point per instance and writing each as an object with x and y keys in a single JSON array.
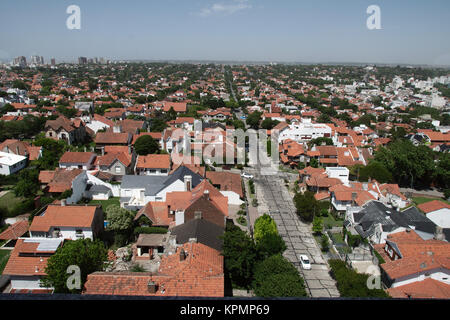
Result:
[
  {"x": 106, "y": 203},
  {"x": 4, "y": 256},
  {"x": 420, "y": 200},
  {"x": 329, "y": 220},
  {"x": 9, "y": 201}
]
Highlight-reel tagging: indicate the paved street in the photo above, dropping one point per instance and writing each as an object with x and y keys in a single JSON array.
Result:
[{"x": 275, "y": 199}]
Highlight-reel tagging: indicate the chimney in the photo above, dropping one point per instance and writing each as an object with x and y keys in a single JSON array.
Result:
[
  {"x": 103, "y": 151},
  {"x": 17, "y": 150},
  {"x": 117, "y": 129},
  {"x": 206, "y": 193},
  {"x": 183, "y": 255},
  {"x": 439, "y": 234},
  {"x": 152, "y": 287},
  {"x": 187, "y": 183},
  {"x": 63, "y": 202}
]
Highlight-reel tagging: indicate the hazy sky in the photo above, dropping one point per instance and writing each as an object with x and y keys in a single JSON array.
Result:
[{"x": 413, "y": 31}]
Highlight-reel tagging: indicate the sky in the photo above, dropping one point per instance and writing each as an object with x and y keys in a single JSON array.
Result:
[{"x": 310, "y": 31}]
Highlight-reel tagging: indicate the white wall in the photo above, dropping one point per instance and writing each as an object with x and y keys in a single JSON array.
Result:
[
  {"x": 233, "y": 197},
  {"x": 25, "y": 282},
  {"x": 70, "y": 232}
]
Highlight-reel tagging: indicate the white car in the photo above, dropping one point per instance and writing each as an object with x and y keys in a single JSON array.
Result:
[
  {"x": 246, "y": 175},
  {"x": 306, "y": 265}
]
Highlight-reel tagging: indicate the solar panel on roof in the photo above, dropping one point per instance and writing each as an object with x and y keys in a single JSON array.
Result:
[{"x": 45, "y": 244}]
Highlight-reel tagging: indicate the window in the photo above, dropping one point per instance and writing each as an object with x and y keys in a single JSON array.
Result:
[
  {"x": 197, "y": 215},
  {"x": 118, "y": 169}
]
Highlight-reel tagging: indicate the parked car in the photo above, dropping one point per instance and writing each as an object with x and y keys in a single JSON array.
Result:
[
  {"x": 246, "y": 175},
  {"x": 304, "y": 260}
]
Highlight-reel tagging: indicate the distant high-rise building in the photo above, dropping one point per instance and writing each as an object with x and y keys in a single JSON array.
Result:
[
  {"x": 53, "y": 61},
  {"x": 20, "y": 61},
  {"x": 82, "y": 60}
]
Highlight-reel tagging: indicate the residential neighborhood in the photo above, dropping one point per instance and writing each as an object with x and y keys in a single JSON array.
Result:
[{"x": 223, "y": 179}]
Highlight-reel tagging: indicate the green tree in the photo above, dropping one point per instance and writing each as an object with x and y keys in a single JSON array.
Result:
[
  {"x": 146, "y": 145},
  {"x": 28, "y": 183},
  {"x": 325, "y": 244},
  {"x": 317, "y": 224},
  {"x": 239, "y": 253},
  {"x": 88, "y": 255},
  {"x": 277, "y": 277},
  {"x": 119, "y": 219},
  {"x": 264, "y": 225},
  {"x": 307, "y": 206},
  {"x": 253, "y": 120}
]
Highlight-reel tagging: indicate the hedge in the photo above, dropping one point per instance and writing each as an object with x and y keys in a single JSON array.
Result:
[{"x": 148, "y": 230}]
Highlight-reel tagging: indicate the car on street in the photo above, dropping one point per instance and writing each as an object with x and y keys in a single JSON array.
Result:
[
  {"x": 304, "y": 260},
  {"x": 246, "y": 175}
]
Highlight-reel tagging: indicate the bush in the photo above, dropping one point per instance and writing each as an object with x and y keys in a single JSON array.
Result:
[
  {"x": 137, "y": 268},
  {"x": 325, "y": 243},
  {"x": 352, "y": 284},
  {"x": 277, "y": 277},
  {"x": 255, "y": 202},
  {"x": 149, "y": 230}
]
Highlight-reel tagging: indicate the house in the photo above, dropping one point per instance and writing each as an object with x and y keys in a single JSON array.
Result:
[
  {"x": 27, "y": 262},
  {"x": 149, "y": 246},
  {"x": 425, "y": 289},
  {"x": 201, "y": 231},
  {"x": 14, "y": 232},
  {"x": 375, "y": 221},
  {"x": 178, "y": 107},
  {"x": 153, "y": 164},
  {"x": 229, "y": 184},
  {"x": 77, "y": 160},
  {"x": 103, "y": 139},
  {"x": 411, "y": 260},
  {"x": 202, "y": 202},
  {"x": 11, "y": 163},
  {"x": 116, "y": 160},
  {"x": 195, "y": 270},
  {"x": 21, "y": 148},
  {"x": 303, "y": 131},
  {"x": 62, "y": 180},
  {"x": 137, "y": 191},
  {"x": 71, "y": 131},
  {"x": 437, "y": 211},
  {"x": 68, "y": 222},
  {"x": 85, "y": 106}
]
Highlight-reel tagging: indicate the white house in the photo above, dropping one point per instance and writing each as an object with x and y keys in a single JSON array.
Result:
[
  {"x": 68, "y": 222},
  {"x": 305, "y": 131},
  {"x": 438, "y": 212},
  {"x": 10, "y": 163},
  {"x": 341, "y": 173}
]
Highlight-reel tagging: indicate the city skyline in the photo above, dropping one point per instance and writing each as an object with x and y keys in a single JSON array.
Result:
[{"x": 230, "y": 30}]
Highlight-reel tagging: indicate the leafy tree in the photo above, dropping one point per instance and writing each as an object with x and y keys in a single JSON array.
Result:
[
  {"x": 317, "y": 224},
  {"x": 88, "y": 255},
  {"x": 307, "y": 206},
  {"x": 157, "y": 125},
  {"x": 324, "y": 242},
  {"x": 239, "y": 253},
  {"x": 269, "y": 123},
  {"x": 264, "y": 225},
  {"x": 277, "y": 277},
  {"x": 253, "y": 119},
  {"x": 28, "y": 183},
  {"x": 146, "y": 145},
  {"x": 314, "y": 163},
  {"x": 409, "y": 165},
  {"x": 119, "y": 219},
  {"x": 352, "y": 284},
  {"x": 269, "y": 245}
]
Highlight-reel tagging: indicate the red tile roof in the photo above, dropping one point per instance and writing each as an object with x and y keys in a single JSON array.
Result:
[
  {"x": 200, "y": 274},
  {"x": 154, "y": 161},
  {"x": 434, "y": 205},
  {"x": 426, "y": 289},
  {"x": 64, "y": 216},
  {"x": 15, "y": 231},
  {"x": 77, "y": 157}
]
